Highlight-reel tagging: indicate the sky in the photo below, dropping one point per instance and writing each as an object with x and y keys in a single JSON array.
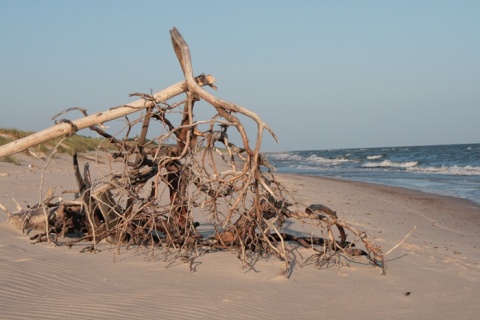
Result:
[{"x": 321, "y": 74}]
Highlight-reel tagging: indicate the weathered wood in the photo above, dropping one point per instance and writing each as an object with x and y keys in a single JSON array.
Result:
[
  {"x": 186, "y": 180},
  {"x": 223, "y": 107},
  {"x": 64, "y": 128}
]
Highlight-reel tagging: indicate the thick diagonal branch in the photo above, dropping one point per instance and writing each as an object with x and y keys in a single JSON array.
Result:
[{"x": 63, "y": 129}]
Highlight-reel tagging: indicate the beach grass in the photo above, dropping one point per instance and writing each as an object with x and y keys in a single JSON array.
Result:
[{"x": 76, "y": 143}]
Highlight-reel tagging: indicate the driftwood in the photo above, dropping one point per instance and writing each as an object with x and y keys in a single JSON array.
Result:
[
  {"x": 65, "y": 127},
  {"x": 162, "y": 187}
]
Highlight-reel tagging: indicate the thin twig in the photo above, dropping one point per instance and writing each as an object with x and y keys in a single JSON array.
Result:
[{"x": 403, "y": 240}]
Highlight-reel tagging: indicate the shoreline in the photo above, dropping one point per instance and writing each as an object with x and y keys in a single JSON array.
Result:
[
  {"x": 429, "y": 206},
  {"x": 434, "y": 273},
  {"x": 451, "y": 170},
  {"x": 467, "y": 201}
]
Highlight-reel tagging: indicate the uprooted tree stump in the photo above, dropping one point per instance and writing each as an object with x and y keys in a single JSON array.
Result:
[{"x": 161, "y": 187}]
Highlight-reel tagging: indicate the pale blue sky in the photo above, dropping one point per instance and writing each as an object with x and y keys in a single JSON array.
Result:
[{"x": 322, "y": 74}]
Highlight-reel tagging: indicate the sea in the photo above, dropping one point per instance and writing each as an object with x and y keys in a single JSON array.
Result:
[{"x": 451, "y": 170}]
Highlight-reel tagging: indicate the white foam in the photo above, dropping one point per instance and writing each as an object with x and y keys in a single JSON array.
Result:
[
  {"x": 306, "y": 168},
  {"x": 454, "y": 170},
  {"x": 390, "y": 164},
  {"x": 285, "y": 156},
  {"x": 326, "y": 161},
  {"x": 375, "y": 157}
]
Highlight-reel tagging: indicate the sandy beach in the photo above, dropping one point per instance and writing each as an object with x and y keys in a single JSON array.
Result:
[{"x": 434, "y": 274}]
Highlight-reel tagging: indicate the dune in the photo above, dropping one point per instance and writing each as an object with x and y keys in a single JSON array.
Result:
[{"x": 433, "y": 274}]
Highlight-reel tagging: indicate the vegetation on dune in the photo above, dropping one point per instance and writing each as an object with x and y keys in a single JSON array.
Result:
[
  {"x": 13, "y": 133},
  {"x": 74, "y": 144}
]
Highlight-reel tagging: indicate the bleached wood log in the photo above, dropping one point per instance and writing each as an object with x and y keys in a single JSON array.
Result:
[{"x": 63, "y": 128}]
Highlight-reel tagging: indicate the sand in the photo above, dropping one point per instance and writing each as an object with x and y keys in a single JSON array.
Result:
[{"x": 434, "y": 274}]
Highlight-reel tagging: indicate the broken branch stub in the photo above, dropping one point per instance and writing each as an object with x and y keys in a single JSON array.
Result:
[{"x": 164, "y": 189}]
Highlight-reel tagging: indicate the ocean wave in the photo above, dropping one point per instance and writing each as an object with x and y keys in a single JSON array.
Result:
[
  {"x": 312, "y": 159},
  {"x": 390, "y": 164},
  {"x": 327, "y": 161},
  {"x": 454, "y": 170},
  {"x": 303, "y": 167},
  {"x": 375, "y": 157},
  {"x": 285, "y": 156}
]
